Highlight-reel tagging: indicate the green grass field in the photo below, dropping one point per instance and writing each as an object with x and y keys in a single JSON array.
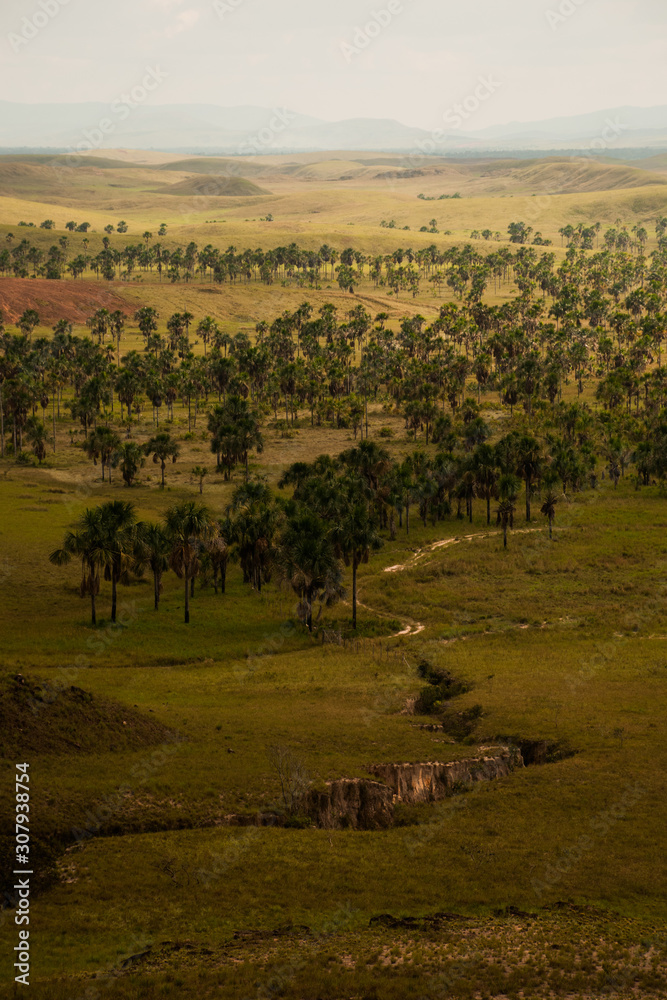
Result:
[{"x": 549, "y": 883}]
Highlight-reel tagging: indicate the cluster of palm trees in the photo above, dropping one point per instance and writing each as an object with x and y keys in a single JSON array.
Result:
[
  {"x": 333, "y": 367},
  {"x": 112, "y": 543},
  {"x": 103, "y": 444},
  {"x": 264, "y": 533},
  {"x": 597, "y": 320}
]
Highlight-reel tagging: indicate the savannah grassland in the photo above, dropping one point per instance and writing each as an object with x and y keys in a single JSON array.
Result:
[{"x": 553, "y": 879}]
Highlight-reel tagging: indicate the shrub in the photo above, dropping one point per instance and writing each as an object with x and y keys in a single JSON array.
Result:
[{"x": 443, "y": 686}]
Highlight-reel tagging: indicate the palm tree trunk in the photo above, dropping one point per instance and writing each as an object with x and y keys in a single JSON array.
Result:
[
  {"x": 527, "y": 499},
  {"x": 114, "y": 596},
  {"x": 488, "y": 509},
  {"x": 551, "y": 534},
  {"x": 354, "y": 593},
  {"x": 504, "y": 536},
  {"x": 163, "y": 474},
  {"x": 92, "y": 609},
  {"x": 156, "y": 588},
  {"x": 187, "y": 599}
]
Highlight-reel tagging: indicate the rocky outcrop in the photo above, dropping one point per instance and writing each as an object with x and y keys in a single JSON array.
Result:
[
  {"x": 540, "y": 751},
  {"x": 413, "y": 783},
  {"x": 350, "y": 803},
  {"x": 361, "y": 804}
]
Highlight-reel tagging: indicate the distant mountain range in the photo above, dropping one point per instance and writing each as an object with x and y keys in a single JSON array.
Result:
[{"x": 207, "y": 128}]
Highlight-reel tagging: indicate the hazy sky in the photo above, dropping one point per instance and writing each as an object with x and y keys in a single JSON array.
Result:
[{"x": 417, "y": 59}]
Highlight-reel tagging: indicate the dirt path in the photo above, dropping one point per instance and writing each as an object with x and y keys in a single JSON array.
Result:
[
  {"x": 446, "y": 542},
  {"x": 411, "y": 627}
]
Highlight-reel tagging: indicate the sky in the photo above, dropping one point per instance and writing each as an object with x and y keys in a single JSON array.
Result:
[{"x": 411, "y": 60}]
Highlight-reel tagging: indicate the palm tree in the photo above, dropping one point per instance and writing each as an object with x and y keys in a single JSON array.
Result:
[
  {"x": 248, "y": 437},
  {"x": 509, "y": 488},
  {"x": 154, "y": 549},
  {"x": 146, "y": 318},
  {"x": 251, "y": 526},
  {"x": 216, "y": 556},
  {"x": 528, "y": 465},
  {"x": 162, "y": 447},
  {"x": 127, "y": 388},
  {"x": 186, "y": 319},
  {"x": 200, "y": 472},
  {"x": 187, "y": 525},
  {"x": 549, "y": 509},
  {"x": 236, "y": 431},
  {"x": 130, "y": 458},
  {"x": 102, "y": 443},
  {"x": 28, "y": 321},
  {"x": 86, "y": 542},
  {"x": 38, "y": 436},
  {"x": 118, "y": 520},
  {"x": 486, "y": 475},
  {"x": 355, "y": 537},
  {"x": 308, "y": 562},
  {"x": 407, "y": 489},
  {"x": 207, "y": 329}
]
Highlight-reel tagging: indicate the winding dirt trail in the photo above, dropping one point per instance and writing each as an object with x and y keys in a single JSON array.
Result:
[
  {"x": 410, "y": 627},
  {"x": 446, "y": 542}
]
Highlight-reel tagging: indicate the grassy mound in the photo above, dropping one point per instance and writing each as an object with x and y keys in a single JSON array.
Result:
[
  {"x": 39, "y": 717},
  {"x": 215, "y": 165},
  {"x": 215, "y": 187}
]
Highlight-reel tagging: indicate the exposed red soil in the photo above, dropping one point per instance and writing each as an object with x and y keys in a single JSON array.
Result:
[{"x": 74, "y": 301}]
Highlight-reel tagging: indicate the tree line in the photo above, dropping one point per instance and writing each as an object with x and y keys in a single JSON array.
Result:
[
  {"x": 464, "y": 270},
  {"x": 336, "y": 513}
]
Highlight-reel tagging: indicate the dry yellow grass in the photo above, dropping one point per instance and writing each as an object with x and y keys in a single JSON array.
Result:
[{"x": 335, "y": 198}]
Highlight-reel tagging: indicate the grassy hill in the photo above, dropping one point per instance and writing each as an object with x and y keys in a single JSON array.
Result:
[{"x": 333, "y": 198}]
